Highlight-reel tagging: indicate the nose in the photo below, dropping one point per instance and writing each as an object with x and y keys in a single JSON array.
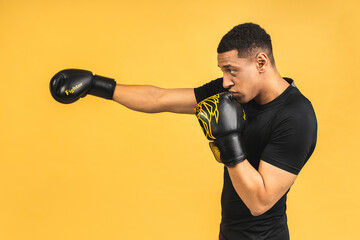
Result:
[{"x": 227, "y": 82}]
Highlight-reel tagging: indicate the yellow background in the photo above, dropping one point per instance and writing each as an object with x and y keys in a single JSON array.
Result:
[{"x": 97, "y": 170}]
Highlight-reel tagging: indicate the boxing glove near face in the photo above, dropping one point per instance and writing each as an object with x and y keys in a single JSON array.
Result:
[{"x": 222, "y": 119}]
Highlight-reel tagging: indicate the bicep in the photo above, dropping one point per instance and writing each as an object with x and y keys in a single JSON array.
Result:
[
  {"x": 276, "y": 182},
  {"x": 180, "y": 100}
]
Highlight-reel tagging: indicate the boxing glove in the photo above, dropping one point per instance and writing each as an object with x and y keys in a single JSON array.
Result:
[
  {"x": 68, "y": 85},
  {"x": 223, "y": 119}
]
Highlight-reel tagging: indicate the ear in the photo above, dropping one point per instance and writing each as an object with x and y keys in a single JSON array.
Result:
[{"x": 262, "y": 62}]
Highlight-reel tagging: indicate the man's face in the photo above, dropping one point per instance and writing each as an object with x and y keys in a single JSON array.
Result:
[{"x": 241, "y": 76}]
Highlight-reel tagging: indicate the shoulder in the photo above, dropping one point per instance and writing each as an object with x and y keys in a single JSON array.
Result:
[
  {"x": 295, "y": 120},
  {"x": 293, "y": 134},
  {"x": 297, "y": 108}
]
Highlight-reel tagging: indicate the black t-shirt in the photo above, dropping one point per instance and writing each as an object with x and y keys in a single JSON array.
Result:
[{"x": 283, "y": 133}]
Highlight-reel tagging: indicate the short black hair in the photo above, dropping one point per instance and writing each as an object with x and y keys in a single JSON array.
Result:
[{"x": 247, "y": 39}]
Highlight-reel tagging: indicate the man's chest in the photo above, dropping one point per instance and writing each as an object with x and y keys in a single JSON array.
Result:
[{"x": 257, "y": 133}]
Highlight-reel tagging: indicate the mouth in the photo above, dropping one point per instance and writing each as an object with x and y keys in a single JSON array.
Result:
[
  {"x": 235, "y": 93},
  {"x": 238, "y": 96}
]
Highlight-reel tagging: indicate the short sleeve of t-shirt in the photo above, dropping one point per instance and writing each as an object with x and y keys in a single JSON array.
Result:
[
  {"x": 209, "y": 89},
  {"x": 293, "y": 136}
]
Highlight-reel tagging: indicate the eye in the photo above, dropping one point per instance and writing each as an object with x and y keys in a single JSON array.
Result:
[{"x": 232, "y": 72}]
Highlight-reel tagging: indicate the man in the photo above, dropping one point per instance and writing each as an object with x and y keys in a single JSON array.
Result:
[{"x": 278, "y": 139}]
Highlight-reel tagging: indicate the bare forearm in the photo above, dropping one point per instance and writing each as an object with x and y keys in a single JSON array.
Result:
[
  {"x": 260, "y": 189},
  {"x": 152, "y": 99},
  {"x": 143, "y": 98},
  {"x": 249, "y": 185}
]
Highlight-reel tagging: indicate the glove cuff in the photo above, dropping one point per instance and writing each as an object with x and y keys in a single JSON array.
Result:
[
  {"x": 228, "y": 149},
  {"x": 102, "y": 87}
]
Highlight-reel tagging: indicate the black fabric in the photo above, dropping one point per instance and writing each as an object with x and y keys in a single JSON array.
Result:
[{"x": 283, "y": 133}]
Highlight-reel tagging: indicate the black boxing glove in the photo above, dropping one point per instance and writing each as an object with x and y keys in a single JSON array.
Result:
[
  {"x": 68, "y": 85},
  {"x": 222, "y": 119}
]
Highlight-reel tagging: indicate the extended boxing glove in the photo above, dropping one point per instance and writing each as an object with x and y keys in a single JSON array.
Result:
[
  {"x": 223, "y": 119},
  {"x": 68, "y": 85}
]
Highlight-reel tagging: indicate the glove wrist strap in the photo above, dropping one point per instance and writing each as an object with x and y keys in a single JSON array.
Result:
[
  {"x": 102, "y": 87},
  {"x": 228, "y": 149}
]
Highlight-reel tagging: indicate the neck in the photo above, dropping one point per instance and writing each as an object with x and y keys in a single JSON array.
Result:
[{"x": 274, "y": 85}]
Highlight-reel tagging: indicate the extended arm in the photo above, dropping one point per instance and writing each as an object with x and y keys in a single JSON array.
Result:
[
  {"x": 152, "y": 99},
  {"x": 69, "y": 85}
]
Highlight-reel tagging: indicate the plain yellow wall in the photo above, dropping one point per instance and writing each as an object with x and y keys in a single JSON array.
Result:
[{"x": 97, "y": 170}]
